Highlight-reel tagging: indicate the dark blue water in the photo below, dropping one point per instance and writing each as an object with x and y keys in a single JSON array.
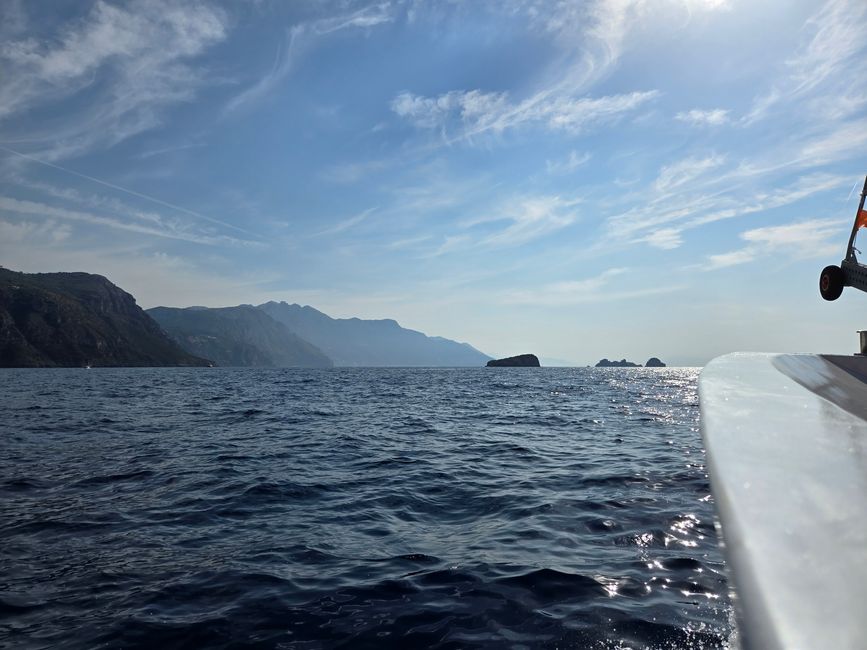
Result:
[{"x": 380, "y": 508}]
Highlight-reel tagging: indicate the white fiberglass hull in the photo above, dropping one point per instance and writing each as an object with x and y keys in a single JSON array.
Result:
[{"x": 786, "y": 441}]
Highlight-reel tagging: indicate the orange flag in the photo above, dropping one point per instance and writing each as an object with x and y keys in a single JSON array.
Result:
[{"x": 861, "y": 219}]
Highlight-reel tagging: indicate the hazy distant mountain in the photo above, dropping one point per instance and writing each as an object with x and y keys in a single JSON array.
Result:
[
  {"x": 238, "y": 336},
  {"x": 356, "y": 342},
  {"x": 76, "y": 319}
]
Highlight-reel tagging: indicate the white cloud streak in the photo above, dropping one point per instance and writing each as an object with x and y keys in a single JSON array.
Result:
[
  {"x": 698, "y": 117},
  {"x": 471, "y": 113},
  {"x": 682, "y": 172},
  {"x": 531, "y": 218},
  {"x": 665, "y": 238},
  {"x": 589, "y": 290},
  {"x": 270, "y": 80},
  {"x": 572, "y": 162},
  {"x": 371, "y": 16},
  {"x": 346, "y": 224},
  {"x": 167, "y": 230},
  {"x": 798, "y": 240},
  {"x": 143, "y": 52},
  {"x": 125, "y": 190},
  {"x": 836, "y": 45},
  {"x": 524, "y": 219},
  {"x": 591, "y": 37},
  {"x": 46, "y": 233},
  {"x": 683, "y": 203},
  {"x": 299, "y": 37}
]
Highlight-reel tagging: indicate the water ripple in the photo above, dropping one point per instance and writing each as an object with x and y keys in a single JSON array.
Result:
[{"x": 282, "y": 508}]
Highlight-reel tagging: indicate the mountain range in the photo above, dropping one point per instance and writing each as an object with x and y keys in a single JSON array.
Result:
[
  {"x": 237, "y": 336},
  {"x": 357, "y": 342},
  {"x": 77, "y": 319}
]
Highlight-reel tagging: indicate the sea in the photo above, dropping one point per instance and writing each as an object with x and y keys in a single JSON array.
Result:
[{"x": 357, "y": 508}]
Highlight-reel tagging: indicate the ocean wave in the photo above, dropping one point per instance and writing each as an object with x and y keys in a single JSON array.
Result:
[{"x": 363, "y": 508}]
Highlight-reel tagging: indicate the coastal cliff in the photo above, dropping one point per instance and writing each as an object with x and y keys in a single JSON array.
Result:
[{"x": 78, "y": 319}]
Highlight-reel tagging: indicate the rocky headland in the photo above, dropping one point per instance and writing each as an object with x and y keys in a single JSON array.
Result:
[{"x": 79, "y": 319}]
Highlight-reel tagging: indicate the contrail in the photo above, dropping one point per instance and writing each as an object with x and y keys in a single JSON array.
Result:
[{"x": 127, "y": 191}]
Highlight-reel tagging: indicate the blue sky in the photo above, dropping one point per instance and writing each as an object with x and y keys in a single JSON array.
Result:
[{"x": 609, "y": 178}]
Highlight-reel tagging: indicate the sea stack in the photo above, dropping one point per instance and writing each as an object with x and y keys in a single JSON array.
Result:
[
  {"x": 654, "y": 362},
  {"x": 520, "y": 361},
  {"x": 623, "y": 363}
]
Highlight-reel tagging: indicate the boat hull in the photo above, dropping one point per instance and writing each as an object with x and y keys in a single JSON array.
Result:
[{"x": 786, "y": 442}]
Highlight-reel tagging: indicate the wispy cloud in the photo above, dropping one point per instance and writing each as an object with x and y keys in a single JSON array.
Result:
[
  {"x": 835, "y": 47},
  {"x": 167, "y": 230},
  {"x": 271, "y": 79},
  {"x": 533, "y": 217},
  {"x": 408, "y": 242},
  {"x": 517, "y": 221},
  {"x": 686, "y": 200},
  {"x": 45, "y": 233},
  {"x": 465, "y": 114},
  {"x": 699, "y": 117},
  {"x": 799, "y": 240},
  {"x": 146, "y": 49},
  {"x": 298, "y": 37},
  {"x": 733, "y": 258},
  {"x": 844, "y": 141},
  {"x": 572, "y": 162},
  {"x": 589, "y": 290},
  {"x": 682, "y": 172},
  {"x": 760, "y": 201},
  {"x": 591, "y": 37},
  {"x": 665, "y": 238},
  {"x": 839, "y": 35},
  {"x": 370, "y": 16},
  {"x": 346, "y": 224},
  {"x": 125, "y": 190},
  {"x": 150, "y": 153},
  {"x": 451, "y": 244},
  {"x": 353, "y": 172}
]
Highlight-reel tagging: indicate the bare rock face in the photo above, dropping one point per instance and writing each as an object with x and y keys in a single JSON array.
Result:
[
  {"x": 520, "y": 361},
  {"x": 78, "y": 319},
  {"x": 654, "y": 362}
]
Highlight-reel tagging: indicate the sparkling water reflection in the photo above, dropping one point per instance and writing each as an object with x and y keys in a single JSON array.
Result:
[{"x": 369, "y": 507}]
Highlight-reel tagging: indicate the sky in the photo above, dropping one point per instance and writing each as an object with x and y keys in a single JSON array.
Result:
[{"x": 588, "y": 179}]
